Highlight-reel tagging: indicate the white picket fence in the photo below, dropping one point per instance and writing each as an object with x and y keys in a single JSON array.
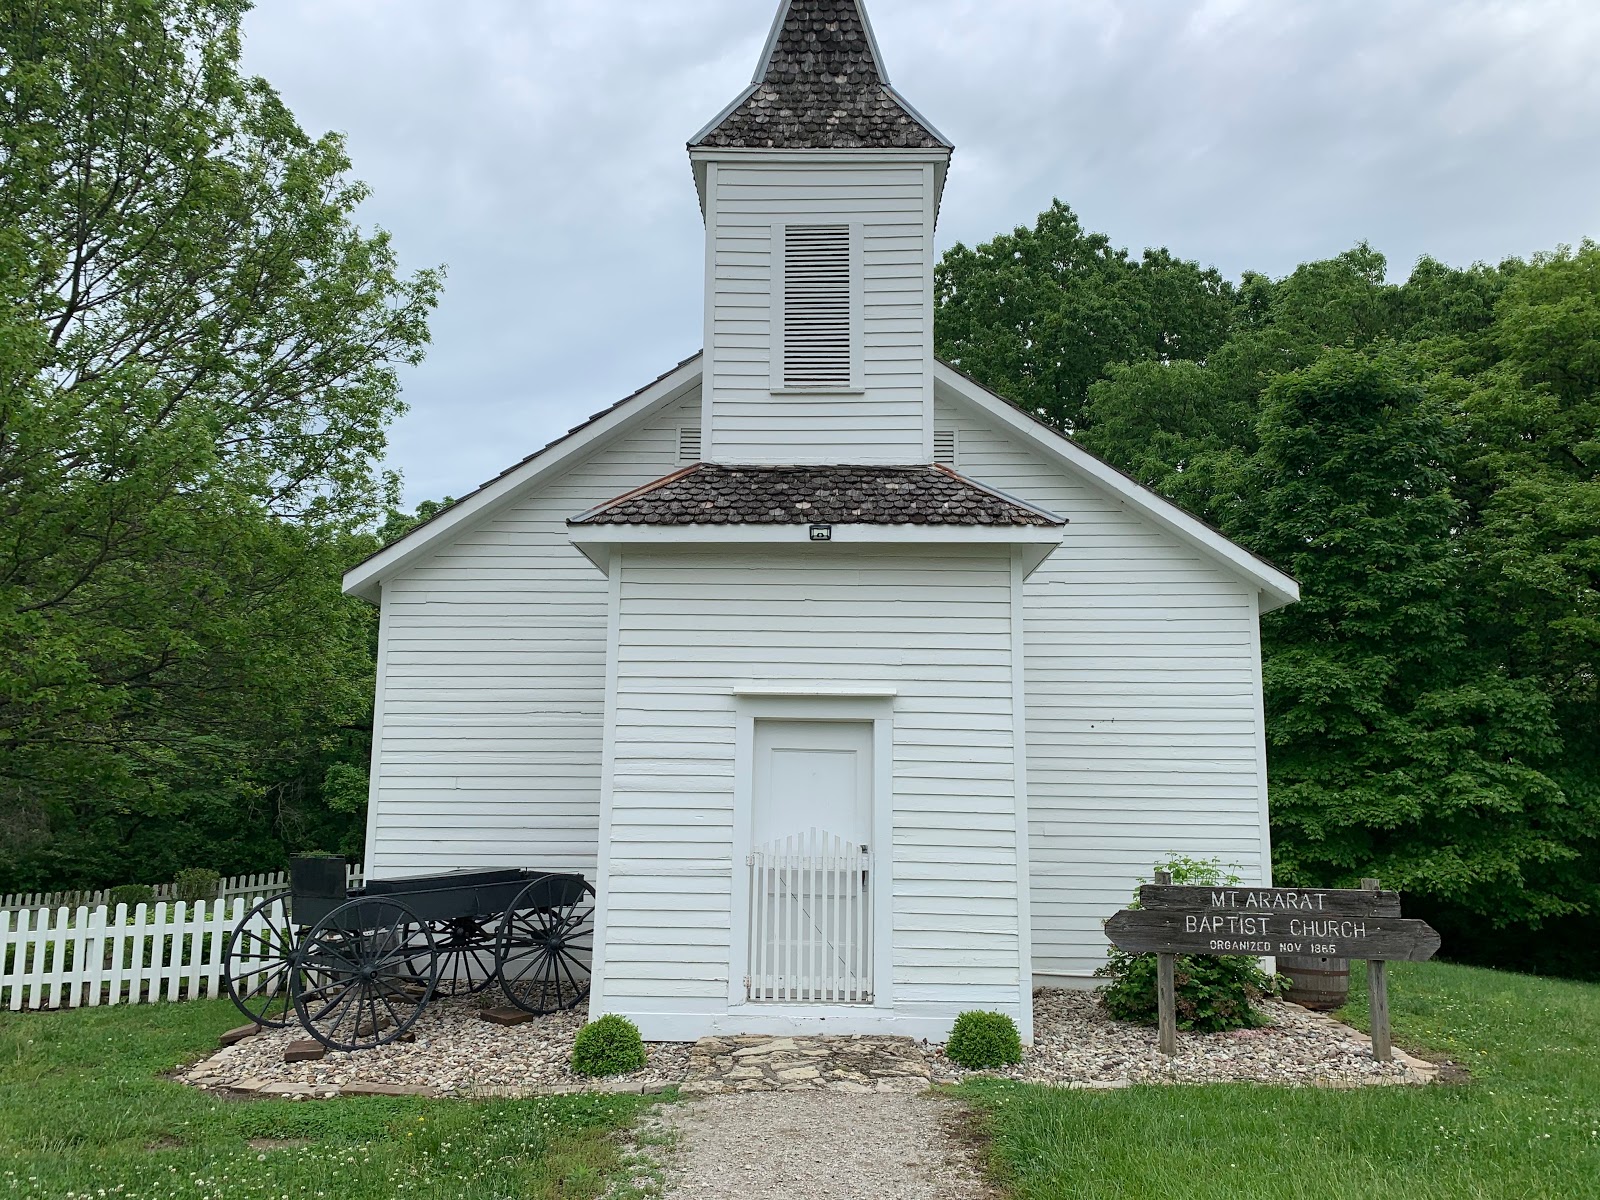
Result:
[
  {"x": 248, "y": 887},
  {"x": 810, "y": 922},
  {"x": 68, "y": 958}
]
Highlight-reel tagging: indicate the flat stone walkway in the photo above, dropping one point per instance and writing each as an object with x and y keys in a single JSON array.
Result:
[
  {"x": 818, "y": 1145},
  {"x": 852, "y": 1065}
]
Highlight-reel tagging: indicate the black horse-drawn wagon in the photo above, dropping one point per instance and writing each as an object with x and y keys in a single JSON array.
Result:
[{"x": 356, "y": 967}]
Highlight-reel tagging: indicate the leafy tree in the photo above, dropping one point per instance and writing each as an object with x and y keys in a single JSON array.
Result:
[
  {"x": 198, "y": 350},
  {"x": 1175, "y": 429},
  {"x": 1398, "y": 749},
  {"x": 1038, "y": 314}
]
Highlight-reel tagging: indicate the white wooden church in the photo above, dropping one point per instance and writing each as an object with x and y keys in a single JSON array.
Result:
[{"x": 861, "y": 696}]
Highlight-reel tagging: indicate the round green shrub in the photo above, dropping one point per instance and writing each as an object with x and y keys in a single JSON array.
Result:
[
  {"x": 1213, "y": 993},
  {"x": 131, "y": 894},
  {"x": 196, "y": 885},
  {"x": 609, "y": 1046},
  {"x": 984, "y": 1039}
]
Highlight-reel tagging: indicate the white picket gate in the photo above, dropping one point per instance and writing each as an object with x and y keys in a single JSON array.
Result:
[
  {"x": 810, "y": 922},
  {"x": 250, "y": 887},
  {"x": 68, "y": 958}
]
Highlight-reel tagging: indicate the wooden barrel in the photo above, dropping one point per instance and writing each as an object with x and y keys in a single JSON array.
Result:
[{"x": 1319, "y": 983}]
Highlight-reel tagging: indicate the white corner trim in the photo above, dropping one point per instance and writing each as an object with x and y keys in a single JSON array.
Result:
[
  {"x": 1277, "y": 589},
  {"x": 375, "y": 767},
  {"x": 1019, "y": 767},
  {"x": 708, "y": 343},
  {"x": 608, "y": 755},
  {"x": 1260, "y": 709},
  {"x": 363, "y": 579}
]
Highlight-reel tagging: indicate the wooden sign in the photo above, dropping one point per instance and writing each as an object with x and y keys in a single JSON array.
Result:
[
  {"x": 1313, "y": 922},
  {"x": 1303, "y": 902},
  {"x": 1241, "y": 931}
]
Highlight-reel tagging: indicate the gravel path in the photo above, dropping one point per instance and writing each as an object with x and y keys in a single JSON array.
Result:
[{"x": 819, "y": 1146}]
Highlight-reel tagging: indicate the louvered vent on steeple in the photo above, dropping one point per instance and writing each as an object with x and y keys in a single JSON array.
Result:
[
  {"x": 688, "y": 444},
  {"x": 818, "y": 324}
]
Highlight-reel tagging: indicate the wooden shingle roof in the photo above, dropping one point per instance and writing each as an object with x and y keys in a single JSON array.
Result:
[
  {"x": 706, "y": 494},
  {"x": 821, "y": 87}
]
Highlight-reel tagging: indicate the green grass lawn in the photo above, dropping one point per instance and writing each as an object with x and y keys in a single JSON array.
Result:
[
  {"x": 85, "y": 1113},
  {"x": 1526, "y": 1127}
]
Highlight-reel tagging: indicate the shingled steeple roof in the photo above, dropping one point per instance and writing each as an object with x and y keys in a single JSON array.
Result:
[{"x": 820, "y": 85}]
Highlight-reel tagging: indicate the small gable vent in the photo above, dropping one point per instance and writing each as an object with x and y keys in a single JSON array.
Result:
[
  {"x": 818, "y": 306},
  {"x": 944, "y": 446},
  {"x": 688, "y": 443}
]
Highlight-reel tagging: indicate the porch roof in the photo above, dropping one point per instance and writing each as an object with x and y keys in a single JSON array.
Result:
[{"x": 708, "y": 494}]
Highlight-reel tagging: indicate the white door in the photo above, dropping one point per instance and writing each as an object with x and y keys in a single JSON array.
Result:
[{"x": 810, "y": 880}]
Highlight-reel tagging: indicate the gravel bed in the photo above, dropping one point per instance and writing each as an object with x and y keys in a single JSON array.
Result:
[
  {"x": 1076, "y": 1043},
  {"x": 455, "y": 1051}
]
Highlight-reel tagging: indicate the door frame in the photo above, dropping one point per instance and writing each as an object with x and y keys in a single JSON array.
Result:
[{"x": 780, "y": 705}]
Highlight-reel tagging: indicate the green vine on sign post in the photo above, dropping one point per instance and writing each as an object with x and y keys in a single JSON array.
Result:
[{"x": 1214, "y": 993}]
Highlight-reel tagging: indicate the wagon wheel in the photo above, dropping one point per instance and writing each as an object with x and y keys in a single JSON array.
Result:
[
  {"x": 465, "y": 947},
  {"x": 546, "y": 944},
  {"x": 366, "y": 972},
  {"x": 257, "y": 960}
]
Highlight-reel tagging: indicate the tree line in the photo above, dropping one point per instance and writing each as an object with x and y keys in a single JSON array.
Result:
[{"x": 198, "y": 357}]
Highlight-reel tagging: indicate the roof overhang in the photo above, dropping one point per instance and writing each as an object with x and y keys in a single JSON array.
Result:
[
  {"x": 701, "y": 156},
  {"x": 599, "y": 543},
  {"x": 1276, "y": 588},
  {"x": 366, "y": 579}
]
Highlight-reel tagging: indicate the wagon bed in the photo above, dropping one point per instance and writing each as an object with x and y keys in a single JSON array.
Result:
[{"x": 356, "y": 967}]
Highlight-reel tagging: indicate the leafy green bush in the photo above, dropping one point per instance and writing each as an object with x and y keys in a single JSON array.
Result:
[
  {"x": 1214, "y": 993},
  {"x": 609, "y": 1046},
  {"x": 984, "y": 1039},
  {"x": 196, "y": 885},
  {"x": 131, "y": 894}
]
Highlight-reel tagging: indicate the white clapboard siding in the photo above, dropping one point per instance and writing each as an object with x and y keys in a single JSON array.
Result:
[
  {"x": 493, "y": 701},
  {"x": 67, "y": 958},
  {"x": 883, "y": 417},
  {"x": 686, "y": 639},
  {"x": 1143, "y": 735}
]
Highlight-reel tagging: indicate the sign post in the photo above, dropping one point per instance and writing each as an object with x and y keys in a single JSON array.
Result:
[
  {"x": 1260, "y": 921},
  {"x": 1167, "y": 989},
  {"x": 1378, "y": 996}
]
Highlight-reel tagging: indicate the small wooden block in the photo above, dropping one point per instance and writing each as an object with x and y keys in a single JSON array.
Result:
[
  {"x": 304, "y": 1050},
  {"x": 284, "y": 1089},
  {"x": 234, "y": 1036},
  {"x": 359, "y": 1087},
  {"x": 506, "y": 1016}
]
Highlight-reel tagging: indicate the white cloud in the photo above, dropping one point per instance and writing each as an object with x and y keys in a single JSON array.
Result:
[{"x": 538, "y": 149}]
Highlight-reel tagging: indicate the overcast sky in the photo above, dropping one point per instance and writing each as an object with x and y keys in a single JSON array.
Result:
[{"x": 537, "y": 150}]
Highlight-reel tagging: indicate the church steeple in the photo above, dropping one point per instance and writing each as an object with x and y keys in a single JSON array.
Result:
[
  {"x": 820, "y": 187},
  {"x": 820, "y": 85}
]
